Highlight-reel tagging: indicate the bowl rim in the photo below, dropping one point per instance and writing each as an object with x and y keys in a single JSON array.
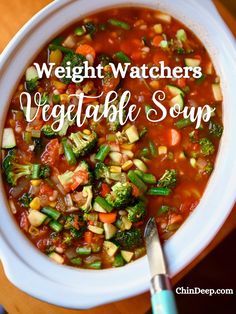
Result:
[{"x": 73, "y": 295}]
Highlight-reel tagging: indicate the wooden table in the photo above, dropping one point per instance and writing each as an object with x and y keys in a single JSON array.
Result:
[{"x": 14, "y": 13}]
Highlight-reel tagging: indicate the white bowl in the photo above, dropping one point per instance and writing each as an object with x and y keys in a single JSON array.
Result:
[{"x": 33, "y": 272}]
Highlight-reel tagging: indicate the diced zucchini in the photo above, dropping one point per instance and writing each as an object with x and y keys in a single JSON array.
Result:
[
  {"x": 132, "y": 134},
  {"x": 56, "y": 257},
  {"x": 33, "y": 111},
  {"x": 178, "y": 99},
  {"x": 193, "y": 162},
  {"x": 95, "y": 229},
  {"x": 8, "y": 138},
  {"x": 36, "y": 218},
  {"x": 110, "y": 230},
  {"x": 116, "y": 157},
  {"x": 110, "y": 248},
  {"x": 190, "y": 62},
  {"x": 31, "y": 73},
  {"x": 140, "y": 165},
  {"x": 181, "y": 35},
  {"x": 209, "y": 68},
  {"x": 174, "y": 90},
  {"x": 127, "y": 256},
  {"x": 217, "y": 92},
  {"x": 163, "y": 17}
]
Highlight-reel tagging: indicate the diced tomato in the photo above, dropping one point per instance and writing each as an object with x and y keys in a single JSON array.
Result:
[
  {"x": 105, "y": 189},
  {"x": 51, "y": 152},
  {"x": 156, "y": 40},
  {"x": 80, "y": 177},
  {"x": 45, "y": 189},
  {"x": 135, "y": 190}
]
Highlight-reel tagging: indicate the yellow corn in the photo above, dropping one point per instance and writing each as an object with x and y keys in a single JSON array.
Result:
[
  {"x": 127, "y": 146},
  {"x": 64, "y": 98},
  {"x": 55, "y": 56},
  {"x": 154, "y": 84},
  {"x": 158, "y": 28},
  {"x": 35, "y": 182},
  {"x": 86, "y": 131},
  {"x": 162, "y": 150},
  {"x": 21, "y": 88},
  {"x": 115, "y": 169},
  {"x": 59, "y": 85},
  {"x": 35, "y": 203},
  {"x": 127, "y": 165},
  {"x": 53, "y": 204}
]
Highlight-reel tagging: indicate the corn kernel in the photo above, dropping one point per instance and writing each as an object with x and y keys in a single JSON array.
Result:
[
  {"x": 86, "y": 131},
  {"x": 35, "y": 203},
  {"x": 127, "y": 146},
  {"x": 127, "y": 165},
  {"x": 115, "y": 169},
  {"x": 162, "y": 150},
  {"x": 55, "y": 57},
  {"x": 158, "y": 28},
  {"x": 21, "y": 88},
  {"x": 154, "y": 84},
  {"x": 59, "y": 85},
  {"x": 35, "y": 182},
  {"x": 53, "y": 204},
  {"x": 64, "y": 98}
]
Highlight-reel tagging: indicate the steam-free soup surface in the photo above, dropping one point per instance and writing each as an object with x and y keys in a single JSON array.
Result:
[{"x": 82, "y": 195}]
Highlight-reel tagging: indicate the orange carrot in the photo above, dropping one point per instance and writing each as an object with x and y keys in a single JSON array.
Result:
[
  {"x": 174, "y": 137},
  {"x": 107, "y": 218},
  {"x": 86, "y": 50},
  {"x": 156, "y": 40},
  {"x": 88, "y": 235}
]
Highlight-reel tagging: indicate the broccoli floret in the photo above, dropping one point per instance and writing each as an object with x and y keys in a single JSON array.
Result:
[
  {"x": 48, "y": 131},
  {"x": 88, "y": 193},
  {"x": 32, "y": 84},
  {"x": 101, "y": 171},
  {"x": 25, "y": 200},
  {"x": 45, "y": 171},
  {"x": 76, "y": 234},
  {"x": 90, "y": 28},
  {"x": 65, "y": 127},
  {"x": 136, "y": 212},
  {"x": 129, "y": 239},
  {"x": 208, "y": 168},
  {"x": 75, "y": 60},
  {"x": 83, "y": 143},
  {"x": 14, "y": 171},
  {"x": 215, "y": 129},
  {"x": 114, "y": 124},
  {"x": 207, "y": 147},
  {"x": 169, "y": 179},
  {"x": 104, "y": 59},
  {"x": 120, "y": 195},
  {"x": 44, "y": 98},
  {"x": 83, "y": 165}
]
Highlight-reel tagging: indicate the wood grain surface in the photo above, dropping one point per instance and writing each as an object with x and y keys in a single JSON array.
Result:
[{"x": 14, "y": 14}]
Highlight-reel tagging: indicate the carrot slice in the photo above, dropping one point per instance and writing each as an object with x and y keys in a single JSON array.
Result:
[
  {"x": 174, "y": 137},
  {"x": 107, "y": 218},
  {"x": 156, "y": 40},
  {"x": 88, "y": 235},
  {"x": 105, "y": 190},
  {"x": 86, "y": 50}
]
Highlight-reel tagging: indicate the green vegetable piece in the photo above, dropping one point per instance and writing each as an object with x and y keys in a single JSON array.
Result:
[
  {"x": 25, "y": 200},
  {"x": 69, "y": 154},
  {"x": 163, "y": 209},
  {"x": 136, "y": 212},
  {"x": 159, "y": 191},
  {"x": 48, "y": 131},
  {"x": 169, "y": 179},
  {"x": 134, "y": 178},
  {"x": 182, "y": 123},
  {"x": 153, "y": 148},
  {"x": 118, "y": 261},
  {"x": 215, "y": 129},
  {"x": 86, "y": 250},
  {"x": 119, "y": 23},
  {"x": 76, "y": 261},
  {"x": 51, "y": 212},
  {"x": 95, "y": 265},
  {"x": 35, "y": 171},
  {"x": 207, "y": 147},
  {"x": 121, "y": 56},
  {"x": 102, "y": 153},
  {"x": 120, "y": 195},
  {"x": 55, "y": 225},
  {"x": 79, "y": 31},
  {"x": 129, "y": 239}
]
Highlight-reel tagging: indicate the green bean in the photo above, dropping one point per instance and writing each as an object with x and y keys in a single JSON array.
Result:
[
  {"x": 153, "y": 149},
  {"x": 119, "y": 23},
  {"x": 103, "y": 203},
  {"x": 61, "y": 48},
  {"x": 79, "y": 31},
  {"x": 144, "y": 152},
  {"x": 55, "y": 225},
  {"x": 83, "y": 250},
  {"x": 51, "y": 212},
  {"x": 76, "y": 261},
  {"x": 146, "y": 177},
  {"x": 134, "y": 178},
  {"x": 143, "y": 132},
  {"x": 69, "y": 154},
  {"x": 96, "y": 265},
  {"x": 102, "y": 153},
  {"x": 182, "y": 123},
  {"x": 35, "y": 171},
  {"x": 159, "y": 191},
  {"x": 122, "y": 57}
]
